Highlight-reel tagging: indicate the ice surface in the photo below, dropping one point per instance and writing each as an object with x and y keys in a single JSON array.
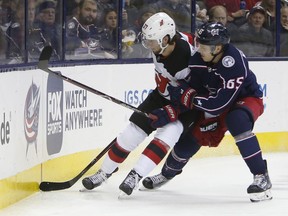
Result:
[{"x": 209, "y": 186}]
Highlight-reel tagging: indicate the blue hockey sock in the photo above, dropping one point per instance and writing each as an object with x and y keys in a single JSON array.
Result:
[
  {"x": 173, "y": 165},
  {"x": 252, "y": 155},
  {"x": 240, "y": 125},
  {"x": 184, "y": 149}
]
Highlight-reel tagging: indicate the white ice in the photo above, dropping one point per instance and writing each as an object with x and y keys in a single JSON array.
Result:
[{"x": 209, "y": 186}]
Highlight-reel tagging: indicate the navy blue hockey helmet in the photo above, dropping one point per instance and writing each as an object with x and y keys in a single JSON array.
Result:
[{"x": 212, "y": 33}]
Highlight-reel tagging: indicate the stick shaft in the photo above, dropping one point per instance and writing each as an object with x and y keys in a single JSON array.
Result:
[
  {"x": 94, "y": 91},
  {"x": 43, "y": 65}
]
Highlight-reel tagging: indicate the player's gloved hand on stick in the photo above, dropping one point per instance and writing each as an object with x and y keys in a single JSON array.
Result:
[
  {"x": 162, "y": 116},
  {"x": 182, "y": 94}
]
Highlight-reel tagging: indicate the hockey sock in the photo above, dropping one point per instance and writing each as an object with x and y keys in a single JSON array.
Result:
[
  {"x": 117, "y": 153},
  {"x": 151, "y": 156},
  {"x": 156, "y": 150},
  {"x": 173, "y": 165},
  {"x": 240, "y": 124},
  {"x": 252, "y": 155},
  {"x": 184, "y": 149}
]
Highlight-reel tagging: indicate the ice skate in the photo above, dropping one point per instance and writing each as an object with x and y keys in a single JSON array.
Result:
[
  {"x": 155, "y": 181},
  {"x": 130, "y": 183},
  {"x": 259, "y": 190},
  {"x": 95, "y": 180}
]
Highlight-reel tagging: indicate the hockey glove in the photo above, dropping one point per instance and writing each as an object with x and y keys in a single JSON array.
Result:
[
  {"x": 162, "y": 116},
  {"x": 182, "y": 94}
]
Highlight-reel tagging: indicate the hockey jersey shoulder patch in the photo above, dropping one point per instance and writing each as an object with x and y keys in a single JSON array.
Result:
[
  {"x": 71, "y": 25},
  {"x": 228, "y": 61}
]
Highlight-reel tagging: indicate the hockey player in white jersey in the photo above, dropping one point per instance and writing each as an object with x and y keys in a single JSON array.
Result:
[{"x": 171, "y": 52}]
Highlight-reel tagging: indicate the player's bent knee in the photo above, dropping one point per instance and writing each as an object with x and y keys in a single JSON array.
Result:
[
  {"x": 187, "y": 147},
  {"x": 242, "y": 136},
  {"x": 238, "y": 121},
  {"x": 170, "y": 133},
  {"x": 131, "y": 137}
]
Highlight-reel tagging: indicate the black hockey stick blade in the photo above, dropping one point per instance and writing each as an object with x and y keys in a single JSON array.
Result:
[
  {"x": 52, "y": 186},
  {"x": 43, "y": 65}
]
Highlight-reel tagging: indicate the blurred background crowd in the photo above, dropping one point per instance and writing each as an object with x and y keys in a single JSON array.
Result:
[{"x": 110, "y": 29}]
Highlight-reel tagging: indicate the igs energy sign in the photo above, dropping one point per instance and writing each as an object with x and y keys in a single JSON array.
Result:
[{"x": 54, "y": 121}]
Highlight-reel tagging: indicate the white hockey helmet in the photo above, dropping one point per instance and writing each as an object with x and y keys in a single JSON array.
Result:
[{"x": 157, "y": 27}]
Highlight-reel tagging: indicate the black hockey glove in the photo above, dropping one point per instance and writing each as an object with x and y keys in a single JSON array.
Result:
[
  {"x": 162, "y": 116},
  {"x": 182, "y": 94}
]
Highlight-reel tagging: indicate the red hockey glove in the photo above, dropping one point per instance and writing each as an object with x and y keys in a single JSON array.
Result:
[
  {"x": 182, "y": 94},
  {"x": 162, "y": 116}
]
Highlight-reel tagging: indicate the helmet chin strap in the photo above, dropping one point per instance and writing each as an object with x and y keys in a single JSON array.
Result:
[
  {"x": 215, "y": 55},
  {"x": 162, "y": 48},
  {"x": 160, "y": 42}
]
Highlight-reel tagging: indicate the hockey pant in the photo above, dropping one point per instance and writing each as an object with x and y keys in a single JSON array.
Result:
[
  {"x": 239, "y": 121},
  {"x": 132, "y": 136}
]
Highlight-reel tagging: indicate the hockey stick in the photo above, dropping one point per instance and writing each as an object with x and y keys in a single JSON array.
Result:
[
  {"x": 43, "y": 65},
  {"x": 51, "y": 186}
]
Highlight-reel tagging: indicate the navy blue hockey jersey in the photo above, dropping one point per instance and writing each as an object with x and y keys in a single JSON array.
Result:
[
  {"x": 220, "y": 85},
  {"x": 91, "y": 35}
]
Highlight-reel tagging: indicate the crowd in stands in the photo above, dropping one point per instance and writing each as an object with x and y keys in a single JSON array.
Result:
[{"x": 91, "y": 27}]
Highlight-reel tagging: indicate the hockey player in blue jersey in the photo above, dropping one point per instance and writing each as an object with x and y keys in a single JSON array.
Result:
[{"x": 229, "y": 97}]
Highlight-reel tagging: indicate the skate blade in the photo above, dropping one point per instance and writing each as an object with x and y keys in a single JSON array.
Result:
[
  {"x": 122, "y": 195},
  {"x": 142, "y": 188},
  {"x": 84, "y": 190},
  {"x": 257, "y": 197}
]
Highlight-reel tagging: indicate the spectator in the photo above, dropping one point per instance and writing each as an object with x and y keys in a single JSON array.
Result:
[
  {"x": 235, "y": 13},
  {"x": 130, "y": 13},
  {"x": 17, "y": 44},
  {"x": 103, "y": 5},
  {"x": 219, "y": 13},
  {"x": 110, "y": 23},
  {"x": 270, "y": 7},
  {"x": 201, "y": 15},
  {"x": 45, "y": 31},
  {"x": 12, "y": 31},
  {"x": 253, "y": 39},
  {"x": 82, "y": 35},
  {"x": 31, "y": 12},
  {"x": 179, "y": 11},
  {"x": 144, "y": 13},
  {"x": 34, "y": 47},
  {"x": 284, "y": 32},
  {"x": 200, "y": 3},
  {"x": 133, "y": 48}
]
